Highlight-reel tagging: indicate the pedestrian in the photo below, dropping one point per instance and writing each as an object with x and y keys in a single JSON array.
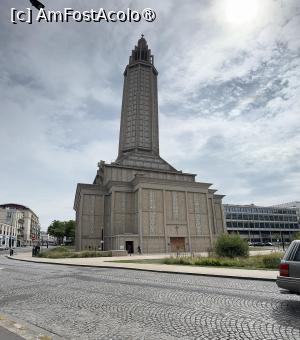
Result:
[{"x": 139, "y": 250}]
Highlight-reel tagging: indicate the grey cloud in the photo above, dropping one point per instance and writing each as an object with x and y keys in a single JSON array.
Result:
[
  {"x": 249, "y": 93},
  {"x": 61, "y": 91}
]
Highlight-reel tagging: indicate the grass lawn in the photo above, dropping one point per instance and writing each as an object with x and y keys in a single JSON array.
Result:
[{"x": 270, "y": 261}]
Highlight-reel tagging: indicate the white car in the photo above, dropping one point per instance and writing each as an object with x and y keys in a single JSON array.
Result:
[{"x": 289, "y": 269}]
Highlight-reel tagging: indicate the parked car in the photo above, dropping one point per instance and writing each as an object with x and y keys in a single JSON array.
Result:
[
  {"x": 289, "y": 269},
  {"x": 269, "y": 244},
  {"x": 258, "y": 244}
]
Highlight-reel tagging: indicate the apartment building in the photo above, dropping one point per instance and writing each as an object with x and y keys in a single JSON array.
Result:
[{"x": 24, "y": 220}]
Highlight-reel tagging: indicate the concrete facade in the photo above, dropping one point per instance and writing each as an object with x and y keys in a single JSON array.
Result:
[
  {"x": 140, "y": 200},
  {"x": 23, "y": 219}
]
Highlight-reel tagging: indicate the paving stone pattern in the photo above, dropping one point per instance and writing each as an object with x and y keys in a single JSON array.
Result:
[{"x": 94, "y": 303}]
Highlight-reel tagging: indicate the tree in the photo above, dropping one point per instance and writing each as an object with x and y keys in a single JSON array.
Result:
[
  {"x": 57, "y": 229},
  {"x": 61, "y": 229},
  {"x": 70, "y": 229}
]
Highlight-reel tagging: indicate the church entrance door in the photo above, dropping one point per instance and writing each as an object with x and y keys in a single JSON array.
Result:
[
  {"x": 129, "y": 247},
  {"x": 177, "y": 244}
]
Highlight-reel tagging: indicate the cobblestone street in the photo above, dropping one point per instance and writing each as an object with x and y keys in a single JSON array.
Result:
[{"x": 94, "y": 303}]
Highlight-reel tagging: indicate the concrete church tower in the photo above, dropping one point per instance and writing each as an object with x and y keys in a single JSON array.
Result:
[
  {"x": 139, "y": 140},
  {"x": 139, "y": 118},
  {"x": 140, "y": 199}
]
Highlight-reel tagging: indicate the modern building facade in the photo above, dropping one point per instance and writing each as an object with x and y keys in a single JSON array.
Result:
[
  {"x": 8, "y": 236},
  {"x": 24, "y": 220},
  {"x": 261, "y": 224},
  {"x": 140, "y": 200},
  {"x": 291, "y": 205}
]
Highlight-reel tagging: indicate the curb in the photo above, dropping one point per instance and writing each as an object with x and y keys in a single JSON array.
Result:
[{"x": 152, "y": 270}]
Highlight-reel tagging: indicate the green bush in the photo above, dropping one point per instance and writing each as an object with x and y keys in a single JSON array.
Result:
[
  {"x": 56, "y": 253},
  {"x": 89, "y": 253},
  {"x": 218, "y": 262},
  {"x": 231, "y": 246},
  {"x": 64, "y": 252},
  {"x": 207, "y": 261},
  {"x": 252, "y": 262},
  {"x": 272, "y": 260},
  {"x": 62, "y": 249},
  {"x": 177, "y": 260}
]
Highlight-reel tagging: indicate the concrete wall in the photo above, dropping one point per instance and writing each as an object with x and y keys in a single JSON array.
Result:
[
  {"x": 148, "y": 213},
  {"x": 123, "y": 174},
  {"x": 89, "y": 218}
]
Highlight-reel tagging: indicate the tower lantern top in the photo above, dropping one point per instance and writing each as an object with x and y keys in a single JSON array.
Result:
[
  {"x": 142, "y": 43},
  {"x": 141, "y": 52}
]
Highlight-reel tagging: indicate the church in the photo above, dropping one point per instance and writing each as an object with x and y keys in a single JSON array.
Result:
[{"x": 140, "y": 201}]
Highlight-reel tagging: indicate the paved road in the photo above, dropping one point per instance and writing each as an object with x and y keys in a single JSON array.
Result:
[{"x": 94, "y": 303}]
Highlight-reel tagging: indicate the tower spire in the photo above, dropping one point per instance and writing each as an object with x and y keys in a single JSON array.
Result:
[{"x": 141, "y": 52}]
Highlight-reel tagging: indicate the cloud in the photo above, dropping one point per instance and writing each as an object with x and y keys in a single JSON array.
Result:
[{"x": 228, "y": 99}]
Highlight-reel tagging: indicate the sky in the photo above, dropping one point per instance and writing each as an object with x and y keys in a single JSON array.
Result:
[{"x": 228, "y": 92}]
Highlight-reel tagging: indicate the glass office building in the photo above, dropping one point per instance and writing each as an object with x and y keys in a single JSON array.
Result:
[{"x": 261, "y": 224}]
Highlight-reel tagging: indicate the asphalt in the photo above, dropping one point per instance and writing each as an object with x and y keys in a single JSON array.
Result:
[{"x": 104, "y": 262}]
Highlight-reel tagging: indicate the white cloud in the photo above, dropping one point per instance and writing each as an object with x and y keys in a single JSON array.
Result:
[{"x": 228, "y": 95}]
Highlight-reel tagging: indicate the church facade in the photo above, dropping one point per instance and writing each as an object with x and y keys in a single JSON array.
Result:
[{"x": 140, "y": 200}]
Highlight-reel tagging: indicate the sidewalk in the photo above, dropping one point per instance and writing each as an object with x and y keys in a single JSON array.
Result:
[
  {"x": 105, "y": 262},
  {"x": 12, "y": 329},
  {"x": 7, "y": 335}
]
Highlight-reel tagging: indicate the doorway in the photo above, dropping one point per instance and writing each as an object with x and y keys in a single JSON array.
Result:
[
  {"x": 129, "y": 247},
  {"x": 177, "y": 244}
]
